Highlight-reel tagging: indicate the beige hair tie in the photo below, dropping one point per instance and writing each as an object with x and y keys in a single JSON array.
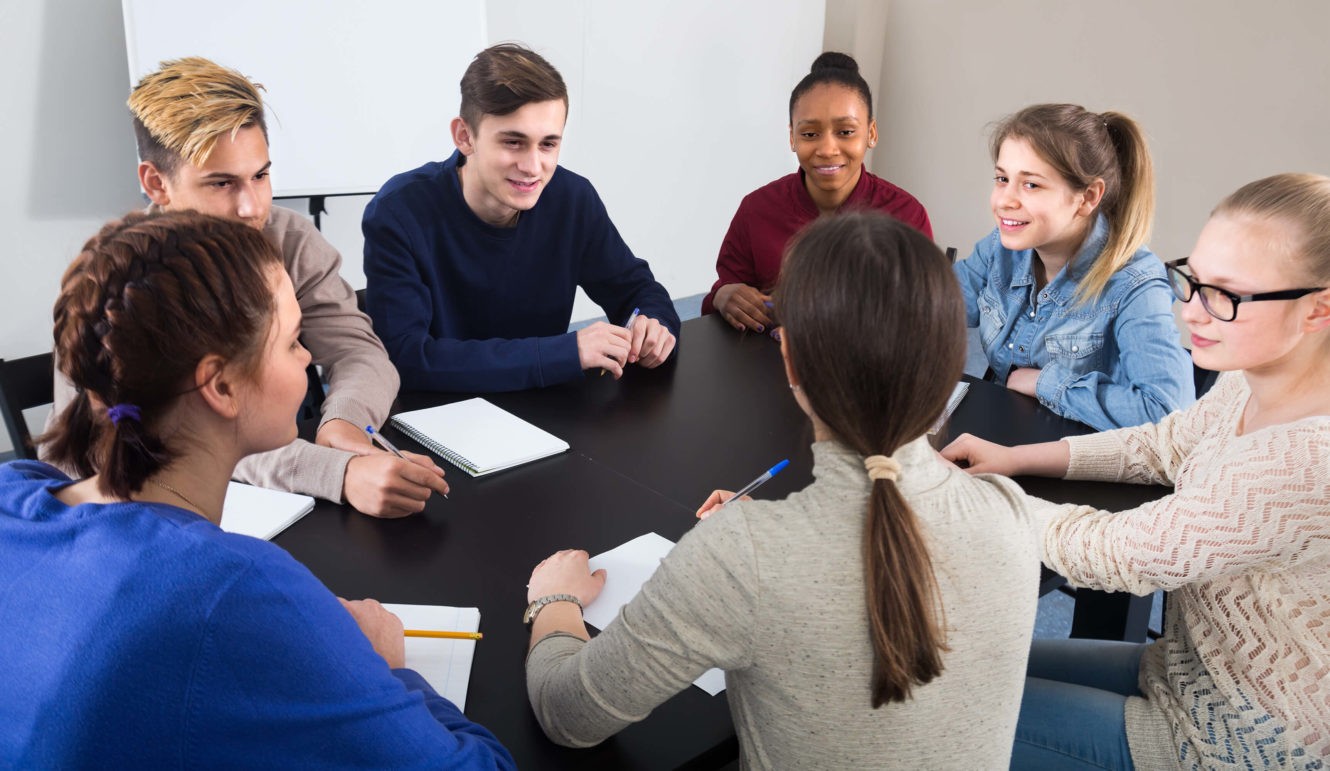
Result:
[{"x": 882, "y": 467}]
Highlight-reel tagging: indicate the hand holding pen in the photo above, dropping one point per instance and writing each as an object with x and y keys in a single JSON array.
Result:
[
  {"x": 722, "y": 498},
  {"x": 405, "y": 486}
]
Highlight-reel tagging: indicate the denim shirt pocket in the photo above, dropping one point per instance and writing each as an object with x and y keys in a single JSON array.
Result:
[
  {"x": 1079, "y": 352},
  {"x": 992, "y": 319}
]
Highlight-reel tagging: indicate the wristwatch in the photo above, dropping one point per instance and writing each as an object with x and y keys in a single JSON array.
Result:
[{"x": 534, "y": 608}]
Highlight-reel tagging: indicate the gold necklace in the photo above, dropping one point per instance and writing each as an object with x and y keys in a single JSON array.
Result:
[{"x": 178, "y": 494}]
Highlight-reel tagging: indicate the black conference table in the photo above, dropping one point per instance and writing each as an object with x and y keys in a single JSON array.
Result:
[{"x": 645, "y": 452}]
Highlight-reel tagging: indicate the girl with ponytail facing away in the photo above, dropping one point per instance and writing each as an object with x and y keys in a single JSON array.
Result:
[
  {"x": 855, "y": 623},
  {"x": 138, "y": 634},
  {"x": 1072, "y": 308}
]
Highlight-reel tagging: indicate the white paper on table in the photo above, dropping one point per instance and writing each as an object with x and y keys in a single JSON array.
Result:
[
  {"x": 953, "y": 401},
  {"x": 445, "y": 664},
  {"x": 260, "y": 512},
  {"x": 627, "y": 567}
]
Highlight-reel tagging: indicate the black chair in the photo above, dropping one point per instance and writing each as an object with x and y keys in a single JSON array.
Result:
[
  {"x": 360, "y": 300},
  {"x": 1204, "y": 379},
  {"x": 25, "y": 383}
]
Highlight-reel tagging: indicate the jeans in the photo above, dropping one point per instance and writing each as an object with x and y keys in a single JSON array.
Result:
[{"x": 1072, "y": 711}]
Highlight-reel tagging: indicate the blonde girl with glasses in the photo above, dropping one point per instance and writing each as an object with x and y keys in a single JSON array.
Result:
[{"x": 1243, "y": 543}]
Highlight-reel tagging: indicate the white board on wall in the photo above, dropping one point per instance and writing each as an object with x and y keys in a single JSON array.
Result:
[{"x": 356, "y": 91}]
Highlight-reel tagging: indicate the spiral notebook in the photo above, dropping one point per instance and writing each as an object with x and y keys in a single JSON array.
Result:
[{"x": 478, "y": 437}]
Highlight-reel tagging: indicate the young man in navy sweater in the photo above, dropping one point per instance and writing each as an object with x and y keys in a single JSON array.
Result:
[{"x": 472, "y": 263}]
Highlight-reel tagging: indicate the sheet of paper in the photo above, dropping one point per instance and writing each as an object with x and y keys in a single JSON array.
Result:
[
  {"x": 445, "y": 664},
  {"x": 260, "y": 512},
  {"x": 627, "y": 567}
]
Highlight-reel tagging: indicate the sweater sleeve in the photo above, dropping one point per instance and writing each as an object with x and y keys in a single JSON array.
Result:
[
  {"x": 284, "y": 668},
  {"x": 614, "y": 278},
  {"x": 402, "y": 306},
  {"x": 696, "y": 612},
  {"x": 1260, "y": 504},
  {"x": 1156, "y": 373},
  {"x": 735, "y": 264},
  {"x": 361, "y": 380},
  {"x": 1152, "y": 453}
]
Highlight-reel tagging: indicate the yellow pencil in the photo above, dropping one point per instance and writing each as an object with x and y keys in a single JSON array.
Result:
[{"x": 442, "y": 635}]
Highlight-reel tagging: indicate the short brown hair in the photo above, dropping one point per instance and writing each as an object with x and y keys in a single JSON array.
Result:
[
  {"x": 182, "y": 109},
  {"x": 504, "y": 78},
  {"x": 147, "y": 298}
]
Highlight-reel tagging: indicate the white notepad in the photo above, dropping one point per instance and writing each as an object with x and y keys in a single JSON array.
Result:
[
  {"x": 445, "y": 664},
  {"x": 627, "y": 567},
  {"x": 260, "y": 512},
  {"x": 478, "y": 437},
  {"x": 953, "y": 401}
]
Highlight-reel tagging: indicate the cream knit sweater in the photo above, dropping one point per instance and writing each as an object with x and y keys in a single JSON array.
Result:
[{"x": 1241, "y": 676}]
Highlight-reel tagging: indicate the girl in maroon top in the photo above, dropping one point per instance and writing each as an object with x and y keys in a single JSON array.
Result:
[{"x": 831, "y": 128}]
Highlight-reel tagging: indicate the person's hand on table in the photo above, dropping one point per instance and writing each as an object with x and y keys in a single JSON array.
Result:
[
  {"x": 1023, "y": 380},
  {"x": 566, "y": 572},
  {"x": 605, "y": 346},
  {"x": 381, "y": 628},
  {"x": 650, "y": 342},
  {"x": 744, "y": 307},
  {"x": 715, "y": 501},
  {"x": 381, "y": 484},
  {"x": 977, "y": 456}
]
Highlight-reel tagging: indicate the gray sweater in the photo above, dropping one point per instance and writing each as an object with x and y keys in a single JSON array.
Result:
[{"x": 772, "y": 592}]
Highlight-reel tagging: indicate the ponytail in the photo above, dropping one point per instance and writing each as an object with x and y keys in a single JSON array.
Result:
[
  {"x": 848, "y": 283},
  {"x": 1083, "y": 146}
]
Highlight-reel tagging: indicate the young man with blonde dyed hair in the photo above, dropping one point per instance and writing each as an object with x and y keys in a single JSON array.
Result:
[
  {"x": 203, "y": 145},
  {"x": 472, "y": 263}
]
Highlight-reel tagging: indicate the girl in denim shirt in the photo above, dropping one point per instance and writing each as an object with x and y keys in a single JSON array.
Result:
[{"x": 1071, "y": 307}]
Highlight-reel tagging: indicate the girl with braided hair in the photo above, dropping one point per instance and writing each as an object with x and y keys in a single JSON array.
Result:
[{"x": 136, "y": 632}]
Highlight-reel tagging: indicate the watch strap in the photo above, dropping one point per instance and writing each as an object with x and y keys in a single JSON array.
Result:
[{"x": 537, "y": 604}]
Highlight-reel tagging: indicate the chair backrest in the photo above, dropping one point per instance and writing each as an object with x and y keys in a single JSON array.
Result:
[
  {"x": 1204, "y": 379},
  {"x": 360, "y": 300},
  {"x": 24, "y": 383}
]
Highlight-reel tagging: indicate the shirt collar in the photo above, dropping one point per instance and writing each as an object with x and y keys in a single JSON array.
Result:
[{"x": 1062, "y": 289}]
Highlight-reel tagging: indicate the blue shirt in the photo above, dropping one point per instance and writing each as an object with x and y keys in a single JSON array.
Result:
[
  {"x": 462, "y": 305},
  {"x": 140, "y": 635},
  {"x": 1116, "y": 361}
]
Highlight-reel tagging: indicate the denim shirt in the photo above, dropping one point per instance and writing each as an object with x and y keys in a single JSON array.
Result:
[{"x": 1113, "y": 362}]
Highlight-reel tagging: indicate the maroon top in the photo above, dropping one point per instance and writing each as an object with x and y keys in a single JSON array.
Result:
[{"x": 770, "y": 215}]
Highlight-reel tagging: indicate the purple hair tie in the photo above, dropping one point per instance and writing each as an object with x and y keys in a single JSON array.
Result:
[{"x": 118, "y": 412}]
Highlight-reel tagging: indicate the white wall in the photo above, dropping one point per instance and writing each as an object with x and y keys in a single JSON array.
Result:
[
  {"x": 670, "y": 176},
  {"x": 1227, "y": 92}
]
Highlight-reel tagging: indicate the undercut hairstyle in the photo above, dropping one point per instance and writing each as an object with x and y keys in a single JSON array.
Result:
[
  {"x": 182, "y": 109},
  {"x": 1083, "y": 146},
  {"x": 836, "y": 69},
  {"x": 148, "y": 298},
  {"x": 504, "y": 78},
  {"x": 874, "y": 325},
  {"x": 1301, "y": 201}
]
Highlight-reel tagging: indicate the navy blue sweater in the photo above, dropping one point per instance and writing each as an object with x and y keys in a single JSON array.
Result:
[
  {"x": 139, "y": 635},
  {"x": 465, "y": 306}
]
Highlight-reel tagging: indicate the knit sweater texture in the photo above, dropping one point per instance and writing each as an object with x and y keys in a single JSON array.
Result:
[
  {"x": 773, "y": 593},
  {"x": 1241, "y": 676}
]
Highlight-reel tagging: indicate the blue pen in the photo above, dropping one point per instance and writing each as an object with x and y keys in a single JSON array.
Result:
[
  {"x": 385, "y": 444},
  {"x": 628, "y": 325},
  {"x": 756, "y": 483}
]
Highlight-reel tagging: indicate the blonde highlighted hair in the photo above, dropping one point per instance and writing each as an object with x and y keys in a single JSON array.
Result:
[
  {"x": 1083, "y": 146},
  {"x": 1301, "y": 200},
  {"x": 182, "y": 109}
]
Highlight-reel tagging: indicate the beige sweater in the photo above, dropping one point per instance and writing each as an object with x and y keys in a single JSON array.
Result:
[
  {"x": 1241, "y": 677},
  {"x": 362, "y": 383},
  {"x": 772, "y": 592}
]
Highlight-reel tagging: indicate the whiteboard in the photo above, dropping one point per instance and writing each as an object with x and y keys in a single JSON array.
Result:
[{"x": 356, "y": 91}]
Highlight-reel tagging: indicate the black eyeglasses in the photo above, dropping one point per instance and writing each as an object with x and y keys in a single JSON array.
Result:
[{"x": 1221, "y": 303}]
